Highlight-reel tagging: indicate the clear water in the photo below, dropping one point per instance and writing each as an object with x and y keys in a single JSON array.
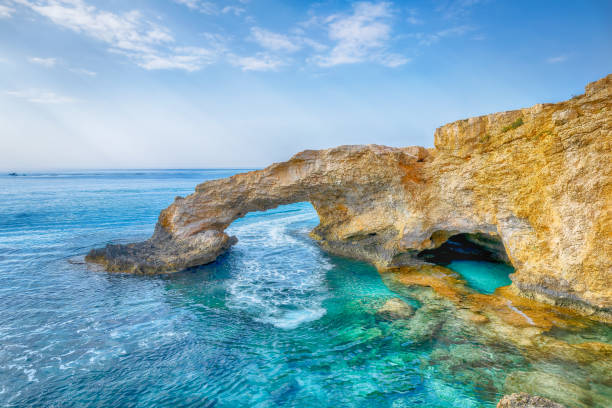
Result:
[
  {"x": 274, "y": 323},
  {"x": 485, "y": 277}
]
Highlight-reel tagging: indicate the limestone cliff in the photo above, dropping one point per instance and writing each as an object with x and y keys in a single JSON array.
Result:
[{"x": 536, "y": 181}]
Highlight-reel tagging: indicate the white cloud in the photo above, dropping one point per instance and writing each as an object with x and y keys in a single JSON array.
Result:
[
  {"x": 393, "y": 60},
  {"x": 82, "y": 71},
  {"x": 557, "y": 60},
  {"x": 413, "y": 17},
  {"x": 150, "y": 45},
  {"x": 192, "y": 4},
  {"x": 259, "y": 62},
  {"x": 6, "y": 11},
  {"x": 432, "y": 38},
  {"x": 52, "y": 62},
  {"x": 185, "y": 58},
  {"x": 457, "y": 8},
  {"x": 205, "y": 7},
  {"x": 45, "y": 62},
  {"x": 208, "y": 7},
  {"x": 40, "y": 96},
  {"x": 317, "y": 46},
  {"x": 361, "y": 36},
  {"x": 273, "y": 41},
  {"x": 128, "y": 31},
  {"x": 233, "y": 9}
]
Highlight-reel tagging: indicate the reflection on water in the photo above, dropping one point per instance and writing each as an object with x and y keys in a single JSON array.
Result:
[{"x": 274, "y": 323}]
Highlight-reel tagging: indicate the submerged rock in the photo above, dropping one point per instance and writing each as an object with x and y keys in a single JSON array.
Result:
[
  {"x": 534, "y": 182},
  {"x": 395, "y": 308},
  {"x": 423, "y": 326},
  {"x": 523, "y": 400},
  {"x": 557, "y": 387}
]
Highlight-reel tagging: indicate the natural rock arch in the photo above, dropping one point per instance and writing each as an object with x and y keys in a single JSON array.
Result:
[
  {"x": 190, "y": 232},
  {"x": 539, "y": 178}
]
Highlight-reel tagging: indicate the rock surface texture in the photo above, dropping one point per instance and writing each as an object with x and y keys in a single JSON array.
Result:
[
  {"x": 536, "y": 181},
  {"x": 522, "y": 400}
]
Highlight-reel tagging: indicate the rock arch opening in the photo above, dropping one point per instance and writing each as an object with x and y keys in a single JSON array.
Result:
[
  {"x": 480, "y": 259},
  {"x": 275, "y": 272},
  {"x": 467, "y": 247},
  {"x": 295, "y": 218}
]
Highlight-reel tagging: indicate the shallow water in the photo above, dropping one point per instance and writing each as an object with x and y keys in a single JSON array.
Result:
[
  {"x": 484, "y": 277},
  {"x": 276, "y": 322}
]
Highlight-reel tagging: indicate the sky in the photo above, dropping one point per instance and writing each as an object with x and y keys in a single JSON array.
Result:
[{"x": 88, "y": 84}]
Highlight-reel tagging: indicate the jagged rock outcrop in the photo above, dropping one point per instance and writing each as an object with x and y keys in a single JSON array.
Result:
[{"x": 536, "y": 181}]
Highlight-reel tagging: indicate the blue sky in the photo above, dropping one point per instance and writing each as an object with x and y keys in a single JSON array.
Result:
[{"x": 196, "y": 84}]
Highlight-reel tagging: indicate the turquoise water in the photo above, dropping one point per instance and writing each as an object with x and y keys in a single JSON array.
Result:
[
  {"x": 276, "y": 322},
  {"x": 485, "y": 277}
]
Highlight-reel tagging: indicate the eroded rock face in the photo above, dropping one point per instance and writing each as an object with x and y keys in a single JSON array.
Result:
[{"x": 538, "y": 179}]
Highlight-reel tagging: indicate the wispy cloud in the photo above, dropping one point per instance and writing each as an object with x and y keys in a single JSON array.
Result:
[
  {"x": 361, "y": 36},
  {"x": 273, "y": 41},
  {"x": 45, "y": 62},
  {"x": 185, "y": 58},
  {"x": 315, "y": 45},
  {"x": 6, "y": 11},
  {"x": 148, "y": 44},
  {"x": 236, "y": 10},
  {"x": 457, "y": 8},
  {"x": 40, "y": 96},
  {"x": 413, "y": 17},
  {"x": 211, "y": 8},
  {"x": 205, "y": 7},
  {"x": 432, "y": 38},
  {"x": 52, "y": 62},
  {"x": 259, "y": 62},
  {"x": 82, "y": 71},
  {"x": 557, "y": 60},
  {"x": 392, "y": 60}
]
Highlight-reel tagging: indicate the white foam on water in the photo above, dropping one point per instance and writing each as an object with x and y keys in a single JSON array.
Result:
[
  {"x": 29, "y": 372},
  {"x": 293, "y": 319},
  {"x": 278, "y": 279}
]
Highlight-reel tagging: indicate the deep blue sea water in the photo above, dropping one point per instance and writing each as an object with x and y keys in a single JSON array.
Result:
[{"x": 276, "y": 322}]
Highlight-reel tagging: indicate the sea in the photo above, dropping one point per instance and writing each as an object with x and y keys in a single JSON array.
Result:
[{"x": 275, "y": 322}]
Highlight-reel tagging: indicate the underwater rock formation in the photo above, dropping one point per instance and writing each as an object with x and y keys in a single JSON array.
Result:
[
  {"x": 522, "y": 400},
  {"x": 502, "y": 343},
  {"x": 534, "y": 183},
  {"x": 395, "y": 308}
]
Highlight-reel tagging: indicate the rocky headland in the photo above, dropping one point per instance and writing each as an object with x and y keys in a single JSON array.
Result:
[{"x": 533, "y": 187}]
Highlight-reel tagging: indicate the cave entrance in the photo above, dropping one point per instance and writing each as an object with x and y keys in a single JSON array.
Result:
[{"x": 480, "y": 259}]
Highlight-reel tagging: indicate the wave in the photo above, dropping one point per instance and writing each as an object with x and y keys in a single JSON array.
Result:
[{"x": 279, "y": 278}]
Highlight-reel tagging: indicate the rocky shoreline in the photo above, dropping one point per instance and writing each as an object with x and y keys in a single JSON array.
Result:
[{"x": 536, "y": 182}]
